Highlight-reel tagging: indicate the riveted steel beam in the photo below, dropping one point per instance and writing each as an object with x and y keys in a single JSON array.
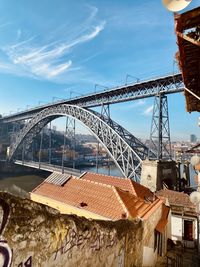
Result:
[{"x": 125, "y": 149}]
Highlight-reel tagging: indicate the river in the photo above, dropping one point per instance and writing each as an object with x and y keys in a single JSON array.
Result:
[{"x": 22, "y": 184}]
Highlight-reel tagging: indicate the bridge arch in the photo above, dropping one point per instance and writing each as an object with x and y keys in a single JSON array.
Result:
[{"x": 125, "y": 149}]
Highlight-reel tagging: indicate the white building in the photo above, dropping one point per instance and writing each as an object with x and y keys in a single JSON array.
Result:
[{"x": 184, "y": 225}]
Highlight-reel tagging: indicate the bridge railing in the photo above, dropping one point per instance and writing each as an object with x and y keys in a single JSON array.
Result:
[{"x": 48, "y": 167}]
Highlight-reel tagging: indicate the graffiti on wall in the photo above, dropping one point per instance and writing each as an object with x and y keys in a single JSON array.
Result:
[
  {"x": 27, "y": 263},
  {"x": 121, "y": 257},
  {"x": 94, "y": 239},
  {"x": 5, "y": 251}
]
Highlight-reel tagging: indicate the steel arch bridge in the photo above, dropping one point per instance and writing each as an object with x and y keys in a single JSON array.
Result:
[{"x": 125, "y": 149}]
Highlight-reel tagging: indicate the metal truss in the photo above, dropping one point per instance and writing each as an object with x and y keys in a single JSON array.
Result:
[
  {"x": 70, "y": 133},
  {"x": 160, "y": 131},
  {"x": 125, "y": 149},
  {"x": 165, "y": 85}
]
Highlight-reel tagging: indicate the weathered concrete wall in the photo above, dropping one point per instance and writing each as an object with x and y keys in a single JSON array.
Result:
[
  {"x": 35, "y": 235},
  {"x": 155, "y": 173},
  {"x": 150, "y": 251},
  {"x": 149, "y": 174},
  {"x": 149, "y": 254}
]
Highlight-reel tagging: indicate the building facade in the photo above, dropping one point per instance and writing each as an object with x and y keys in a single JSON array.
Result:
[{"x": 184, "y": 220}]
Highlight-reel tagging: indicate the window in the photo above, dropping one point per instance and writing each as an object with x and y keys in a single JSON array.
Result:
[
  {"x": 158, "y": 242},
  {"x": 155, "y": 240},
  {"x": 188, "y": 230}
]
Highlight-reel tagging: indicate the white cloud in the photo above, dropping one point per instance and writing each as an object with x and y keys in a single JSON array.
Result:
[
  {"x": 51, "y": 59},
  {"x": 148, "y": 111},
  {"x": 94, "y": 11},
  {"x": 59, "y": 69},
  {"x": 5, "y": 24}
]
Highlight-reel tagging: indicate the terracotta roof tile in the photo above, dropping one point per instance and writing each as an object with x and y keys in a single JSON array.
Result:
[
  {"x": 104, "y": 198},
  {"x": 176, "y": 198},
  {"x": 100, "y": 199},
  {"x": 164, "y": 219},
  {"x": 123, "y": 183}
]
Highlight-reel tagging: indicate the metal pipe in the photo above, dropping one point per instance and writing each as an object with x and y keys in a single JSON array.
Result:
[{"x": 192, "y": 93}]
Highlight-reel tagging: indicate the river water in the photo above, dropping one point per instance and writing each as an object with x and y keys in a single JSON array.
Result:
[{"x": 22, "y": 184}]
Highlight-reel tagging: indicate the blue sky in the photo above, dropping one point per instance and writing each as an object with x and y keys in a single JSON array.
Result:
[{"x": 49, "y": 48}]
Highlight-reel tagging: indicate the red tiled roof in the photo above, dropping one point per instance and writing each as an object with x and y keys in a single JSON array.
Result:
[
  {"x": 136, "y": 206},
  {"x": 106, "y": 200},
  {"x": 99, "y": 199},
  {"x": 123, "y": 183},
  {"x": 164, "y": 219},
  {"x": 176, "y": 198}
]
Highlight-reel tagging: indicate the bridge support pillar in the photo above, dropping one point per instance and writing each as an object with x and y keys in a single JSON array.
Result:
[
  {"x": 105, "y": 111},
  {"x": 70, "y": 132},
  {"x": 160, "y": 131}
]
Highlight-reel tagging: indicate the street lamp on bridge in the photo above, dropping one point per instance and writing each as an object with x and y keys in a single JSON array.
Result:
[
  {"x": 40, "y": 102},
  {"x": 55, "y": 97},
  {"x": 74, "y": 92},
  {"x": 95, "y": 86},
  {"x": 128, "y": 75}
]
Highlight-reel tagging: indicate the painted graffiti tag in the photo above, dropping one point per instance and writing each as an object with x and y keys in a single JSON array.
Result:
[
  {"x": 5, "y": 251},
  {"x": 94, "y": 238},
  {"x": 27, "y": 263}
]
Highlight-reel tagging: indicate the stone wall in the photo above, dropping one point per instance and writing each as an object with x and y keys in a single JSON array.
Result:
[
  {"x": 150, "y": 254},
  {"x": 35, "y": 235}
]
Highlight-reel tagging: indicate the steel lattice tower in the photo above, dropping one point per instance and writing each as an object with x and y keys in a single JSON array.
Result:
[
  {"x": 160, "y": 131},
  {"x": 70, "y": 132}
]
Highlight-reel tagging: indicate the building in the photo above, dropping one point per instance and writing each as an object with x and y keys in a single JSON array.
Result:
[
  {"x": 193, "y": 138},
  {"x": 188, "y": 56},
  {"x": 106, "y": 197},
  {"x": 184, "y": 227},
  {"x": 158, "y": 174}
]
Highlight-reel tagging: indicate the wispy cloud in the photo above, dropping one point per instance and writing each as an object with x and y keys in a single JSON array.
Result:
[
  {"x": 148, "y": 111},
  {"x": 5, "y": 24},
  {"x": 51, "y": 59},
  {"x": 140, "y": 102}
]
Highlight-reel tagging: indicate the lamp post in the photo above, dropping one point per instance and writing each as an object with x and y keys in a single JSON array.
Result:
[
  {"x": 74, "y": 92},
  {"x": 55, "y": 97},
  {"x": 40, "y": 102},
  {"x": 128, "y": 75},
  {"x": 96, "y": 84}
]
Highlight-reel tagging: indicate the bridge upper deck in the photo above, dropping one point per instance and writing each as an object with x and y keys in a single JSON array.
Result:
[{"x": 165, "y": 85}]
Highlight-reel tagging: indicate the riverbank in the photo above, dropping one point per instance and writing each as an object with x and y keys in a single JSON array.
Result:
[{"x": 19, "y": 180}]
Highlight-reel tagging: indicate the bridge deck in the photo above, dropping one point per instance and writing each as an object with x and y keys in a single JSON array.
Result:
[
  {"x": 49, "y": 167},
  {"x": 165, "y": 85}
]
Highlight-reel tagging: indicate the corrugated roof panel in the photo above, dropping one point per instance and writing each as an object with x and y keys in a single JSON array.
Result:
[{"x": 57, "y": 178}]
